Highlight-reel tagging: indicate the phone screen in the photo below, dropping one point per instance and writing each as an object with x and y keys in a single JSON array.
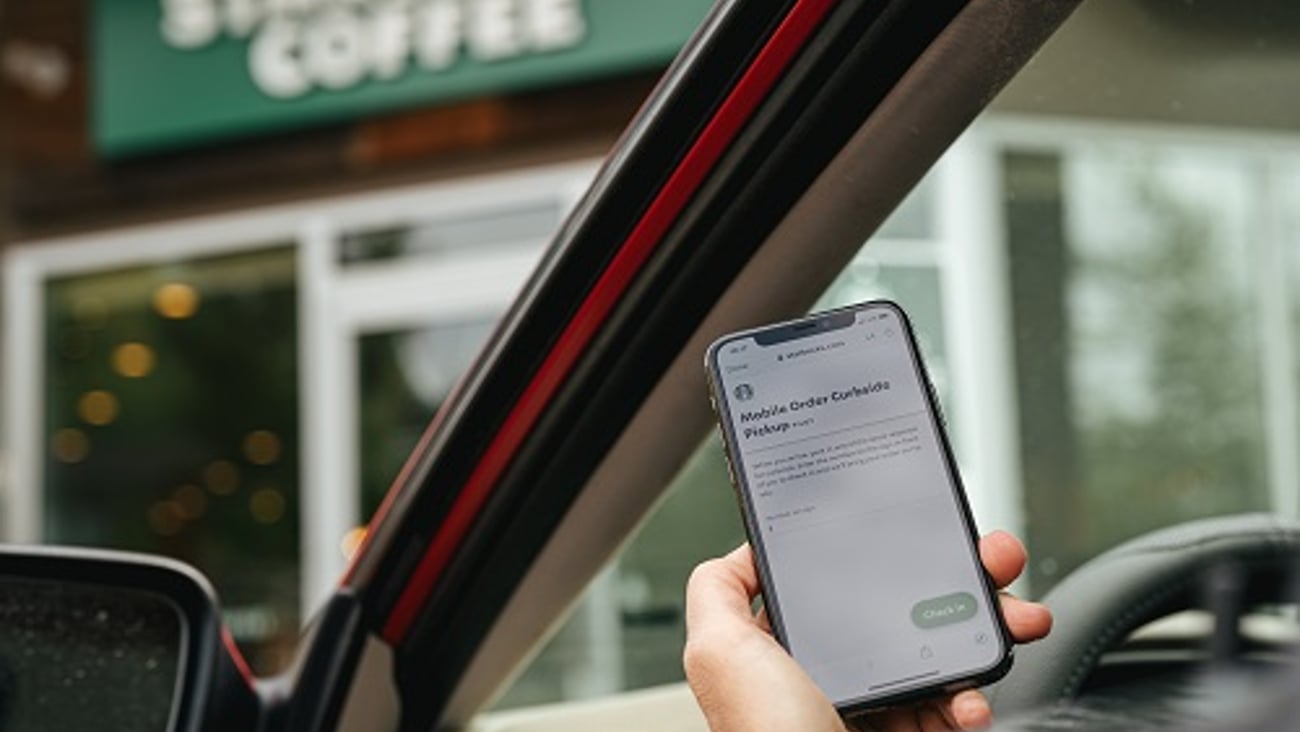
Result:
[{"x": 870, "y": 569}]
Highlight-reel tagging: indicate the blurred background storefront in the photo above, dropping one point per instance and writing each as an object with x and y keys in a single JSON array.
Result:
[{"x": 251, "y": 245}]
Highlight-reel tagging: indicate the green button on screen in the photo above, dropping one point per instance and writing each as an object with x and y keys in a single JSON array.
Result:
[{"x": 944, "y": 610}]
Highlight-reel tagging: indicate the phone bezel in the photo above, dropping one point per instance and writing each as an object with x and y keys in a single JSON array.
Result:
[{"x": 816, "y": 324}]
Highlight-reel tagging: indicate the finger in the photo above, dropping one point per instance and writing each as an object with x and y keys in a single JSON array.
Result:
[
  {"x": 720, "y": 591},
  {"x": 763, "y": 621},
  {"x": 740, "y": 561},
  {"x": 1003, "y": 556},
  {"x": 968, "y": 710},
  {"x": 1027, "y": 621}
]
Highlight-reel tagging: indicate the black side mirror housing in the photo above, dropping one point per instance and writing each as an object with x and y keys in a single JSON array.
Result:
[{"x": 95, "y": 639}]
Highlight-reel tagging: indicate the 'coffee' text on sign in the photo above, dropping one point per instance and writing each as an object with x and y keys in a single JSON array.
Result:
[{"x": 297, "y": 46}]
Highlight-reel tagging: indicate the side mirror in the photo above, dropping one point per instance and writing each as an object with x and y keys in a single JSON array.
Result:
[{"x": 108, "y": 640}]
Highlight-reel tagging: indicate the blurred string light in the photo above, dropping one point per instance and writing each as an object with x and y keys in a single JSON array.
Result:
[
  {"x": 266, "y": 505},
  {"x": 166, "y": 518},
  {"x": 176, "y": 301},
  {"x": 191, "y": 499},
  {"x": 134, "y": 360},
  {"x": 351, "y": 541},
  {"x": 221, "y": 477},
  {"x": 69, "y": 445},
  {"x": 98, "y": 407},
  {"x": 262, "y": 447}
]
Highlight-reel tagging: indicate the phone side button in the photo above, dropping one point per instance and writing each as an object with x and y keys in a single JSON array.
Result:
[{"x": 726, "y": 457}]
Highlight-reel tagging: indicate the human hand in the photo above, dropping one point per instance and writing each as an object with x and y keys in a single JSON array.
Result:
[{"x": 745, "y": 681}]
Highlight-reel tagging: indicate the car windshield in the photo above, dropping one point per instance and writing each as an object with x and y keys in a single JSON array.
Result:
[{"x": 1103, "y": 275}]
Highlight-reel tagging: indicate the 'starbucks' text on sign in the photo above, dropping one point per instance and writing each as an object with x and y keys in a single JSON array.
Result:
[{"x": 173, "y": 72}]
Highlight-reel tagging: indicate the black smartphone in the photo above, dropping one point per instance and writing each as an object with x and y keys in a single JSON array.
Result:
[{"x": 866, "y": 548}]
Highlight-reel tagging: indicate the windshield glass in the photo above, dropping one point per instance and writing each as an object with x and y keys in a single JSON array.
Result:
[{"x": 1103, "y": 276}]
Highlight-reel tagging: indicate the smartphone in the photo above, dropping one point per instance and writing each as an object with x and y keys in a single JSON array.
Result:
[{"x": 865, "y": 544}]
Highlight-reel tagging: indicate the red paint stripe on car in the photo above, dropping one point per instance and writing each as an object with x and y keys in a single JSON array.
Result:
[
  {"x": 236, "y": 656},
  {"x": 713, "y": 141}
]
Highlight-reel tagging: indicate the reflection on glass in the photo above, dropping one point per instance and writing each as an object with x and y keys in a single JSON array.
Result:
[
  {"x": 81, "y": 657},
  {"x": 405, "y": 376},
  {"x": 916, "y": 288},
  {"x": 449, "y": 235},
  {"x": 1140, "y": 400},
  {"x": 171, "y": 418}
]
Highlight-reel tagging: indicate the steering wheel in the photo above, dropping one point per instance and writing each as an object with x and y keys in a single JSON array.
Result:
[{"x": 1098, "y": 605}]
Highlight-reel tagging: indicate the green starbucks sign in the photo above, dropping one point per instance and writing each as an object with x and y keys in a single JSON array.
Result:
[{"x": 169, "y": 73}]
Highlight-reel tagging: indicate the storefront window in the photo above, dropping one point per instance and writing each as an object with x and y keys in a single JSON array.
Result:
[
  {"x": 171, "y": 427},
  {"x": 405, "y": 376},
  {"x": 1139, "y": 365},
  {"x": 245, "y": 407}
]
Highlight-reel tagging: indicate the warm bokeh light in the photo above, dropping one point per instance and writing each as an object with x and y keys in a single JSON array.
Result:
[
  {"x": 266, "y": 505},
  {"x": 262, "y": 447},
  {"x": 351, "y": 541},
  {"x": 98, "y": 407},
  {"x": 221, "y": 477},
  {"x": 176, "y": 300},
  {"x": 165, "y": 518},
  {"x": 192, "y": 501},
  {"x": 69, "y": 445},
  {"x": 133, "y": 360}
]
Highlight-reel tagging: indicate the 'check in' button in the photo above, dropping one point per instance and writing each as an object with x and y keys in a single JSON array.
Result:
[{"x": 944, "y": 610}]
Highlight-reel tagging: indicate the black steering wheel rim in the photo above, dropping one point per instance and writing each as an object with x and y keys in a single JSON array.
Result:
[{"x": 1098, "y": 605}]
